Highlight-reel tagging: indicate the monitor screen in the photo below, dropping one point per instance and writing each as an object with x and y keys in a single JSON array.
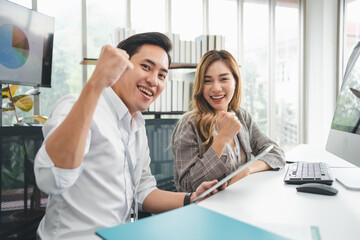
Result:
[
  {"x": 344, "y": 135},
  {"x": 26, "y": 43}
]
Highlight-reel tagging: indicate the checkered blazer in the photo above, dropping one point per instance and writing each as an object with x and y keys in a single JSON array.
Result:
[{"x": 193, "y": 165}]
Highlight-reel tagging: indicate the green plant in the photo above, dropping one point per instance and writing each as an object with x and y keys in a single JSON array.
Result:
[
  {"x": 18, "y": 151},
  {"x": 23, "y": 102}
]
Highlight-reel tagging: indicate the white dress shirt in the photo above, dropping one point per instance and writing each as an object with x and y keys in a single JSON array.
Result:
[{"x": 99, "y": 193}]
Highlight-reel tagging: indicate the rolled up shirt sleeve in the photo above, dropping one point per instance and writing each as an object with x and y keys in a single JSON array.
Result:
[{"x": 49, "y": 178}]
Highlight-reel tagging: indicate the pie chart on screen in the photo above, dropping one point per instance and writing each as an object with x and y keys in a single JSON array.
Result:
[{"x": 14, "y": 46}]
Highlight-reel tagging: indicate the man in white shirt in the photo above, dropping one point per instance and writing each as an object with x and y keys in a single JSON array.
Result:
[{"x": 94, "y": 162}]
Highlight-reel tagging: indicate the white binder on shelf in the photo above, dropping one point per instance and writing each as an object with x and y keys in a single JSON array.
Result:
[
  {"x": 193, "y": 52},
  {"x": 180, "y": 92},
  {"x": 182, "y": 51},
  {"x": 174, "y": 97},
  {"x": 168, "y": 95},
  {"x": 211, "y": 42},
  {"x": 176, "y": 48},
  {"x": 186, "y": 100}
]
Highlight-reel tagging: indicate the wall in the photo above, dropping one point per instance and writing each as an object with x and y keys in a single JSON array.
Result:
[{"x": 321, "y": 38}]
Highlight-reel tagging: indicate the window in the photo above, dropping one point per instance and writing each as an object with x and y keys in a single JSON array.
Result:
[
  {"x": 67, "y": 52},
  {"x": 187, "y": 18},
  {"x": 103, "y": 17},
  {"x": 272, "y": 66},
  {"x": 267, "y": 47},
  {"x": 223, "y": 21},
  {"x": 351, "y": 28},
  {"x": 255, "y": 79},
  {"x": 148, "y": 16},
  {"x": 286, "y": 73}
]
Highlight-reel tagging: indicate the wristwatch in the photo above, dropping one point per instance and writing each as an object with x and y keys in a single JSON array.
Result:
[{"x": 187, "y": 198}]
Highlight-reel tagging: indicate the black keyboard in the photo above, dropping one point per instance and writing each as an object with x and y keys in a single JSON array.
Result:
[{"x": 308, "y": 172}]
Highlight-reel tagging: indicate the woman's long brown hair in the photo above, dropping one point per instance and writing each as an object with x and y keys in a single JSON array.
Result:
[{"x": 205, "y": 117}]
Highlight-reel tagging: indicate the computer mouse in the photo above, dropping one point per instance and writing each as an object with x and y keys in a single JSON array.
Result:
[{"x": 317, "y": 188}]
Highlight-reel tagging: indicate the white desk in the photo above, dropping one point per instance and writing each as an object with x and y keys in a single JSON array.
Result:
[{"x": 264, "y": 200}]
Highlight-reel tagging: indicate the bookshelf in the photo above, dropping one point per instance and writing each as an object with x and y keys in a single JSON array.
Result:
[{"x": 93, "y": 61}]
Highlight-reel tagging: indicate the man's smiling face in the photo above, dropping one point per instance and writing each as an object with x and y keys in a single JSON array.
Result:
[{"x": 139, "y": 87}]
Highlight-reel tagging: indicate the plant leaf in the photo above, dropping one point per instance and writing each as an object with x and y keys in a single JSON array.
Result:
[
  {"x": 39, "y": 119},
  {"x": 5, "y": 91},
  {"x": 18, "y": 97},
  {"x": 7, "y": 107},
  {"x": 23, "y": 102}
]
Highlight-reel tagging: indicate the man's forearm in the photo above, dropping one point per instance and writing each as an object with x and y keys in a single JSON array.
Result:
[
  {"x": 66, "y": 145},
  {"x": 161, "y": 201}
]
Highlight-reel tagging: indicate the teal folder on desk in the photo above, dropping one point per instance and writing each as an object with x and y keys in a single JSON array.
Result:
[{"x": 190, "y": 222}]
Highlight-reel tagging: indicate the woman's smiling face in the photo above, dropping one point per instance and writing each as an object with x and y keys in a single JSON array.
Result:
[{"x": 219, "y": 86}]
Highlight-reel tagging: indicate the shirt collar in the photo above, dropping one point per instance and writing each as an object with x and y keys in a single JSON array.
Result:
[{"x": 122, "y": 110}]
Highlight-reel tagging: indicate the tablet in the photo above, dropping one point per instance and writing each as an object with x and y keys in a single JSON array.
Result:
[{"x": 231, "y": 175}]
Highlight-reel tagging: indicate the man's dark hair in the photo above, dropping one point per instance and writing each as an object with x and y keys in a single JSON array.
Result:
[{"x": 132, "y": 44}]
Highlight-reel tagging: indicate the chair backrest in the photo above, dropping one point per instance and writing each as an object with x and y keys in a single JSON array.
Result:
[
  {"x": 21, "y": 203},
  {"x": 159, "y": 133}
]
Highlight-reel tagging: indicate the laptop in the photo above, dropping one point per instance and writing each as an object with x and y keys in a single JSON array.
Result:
[{"x": 231, "y": 175}]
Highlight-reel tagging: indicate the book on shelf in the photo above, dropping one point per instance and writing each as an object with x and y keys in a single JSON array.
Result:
[
  {"x": 163, "y": 100},
  {"x": 171, "y": 37},
  {"x": 193, "y": 52},
  {"x": 204, "y": 43},
  {"x": 186, "y": 93},
  {"x": 211, "y": 42},
  {"x": 119, "y": 35},
  {"x": 122, "y": 33},
  {"x": 152, "y": 107},
  {"x": 187, "y": 51},
  {"x": 189, "y": 76},
  {"x": 198, "y": 51},
  {"x": 168, "y": 89},
  {"x": 218, "y": 42},
  {"x": 180, "y": 95},
  {"x": 176, "y": 47},
  {"x": 174, "y": 96},
  {"x": 182, "y": 51},
  {"x": 158, "y": 104}
]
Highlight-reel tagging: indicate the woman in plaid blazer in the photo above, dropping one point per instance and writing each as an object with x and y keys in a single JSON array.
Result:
[{"x": 218, "y": 135}]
